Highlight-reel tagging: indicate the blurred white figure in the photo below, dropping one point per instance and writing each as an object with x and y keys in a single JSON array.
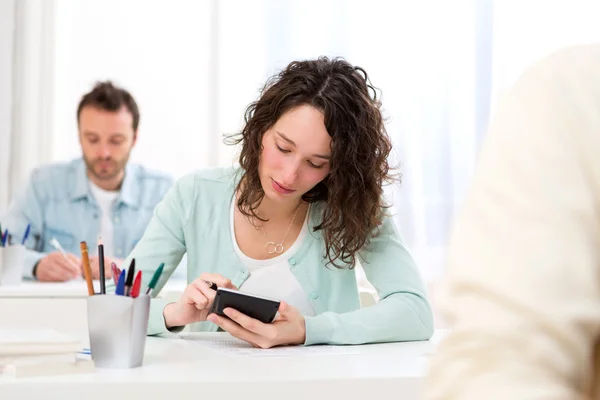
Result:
[{"x": 522, "y": 291}]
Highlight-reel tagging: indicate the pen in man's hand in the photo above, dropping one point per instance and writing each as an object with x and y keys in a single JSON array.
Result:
[{"x": 56, "y": 244}]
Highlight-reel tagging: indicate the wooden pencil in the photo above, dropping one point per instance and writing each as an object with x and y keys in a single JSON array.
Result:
[{"x": 87, "y": 270}]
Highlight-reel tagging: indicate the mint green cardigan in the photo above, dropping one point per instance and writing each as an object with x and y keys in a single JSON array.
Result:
[{"x": 193, "y": 217}]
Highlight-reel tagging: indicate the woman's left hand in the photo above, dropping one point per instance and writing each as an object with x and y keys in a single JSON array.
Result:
[{"x": 287, "y": 328}]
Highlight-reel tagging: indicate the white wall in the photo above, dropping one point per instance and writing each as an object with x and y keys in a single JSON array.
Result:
[
  {"x": 159, "y": 57},
  {"x": 7, "y": 17}
]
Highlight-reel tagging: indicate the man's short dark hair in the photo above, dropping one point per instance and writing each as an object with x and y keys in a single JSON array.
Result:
[{"x": 109, "y": 97}]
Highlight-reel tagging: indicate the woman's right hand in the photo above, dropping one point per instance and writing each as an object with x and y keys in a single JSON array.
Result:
[{"x": 194, "y": 304}]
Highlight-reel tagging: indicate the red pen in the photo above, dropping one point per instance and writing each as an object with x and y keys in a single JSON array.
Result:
[{"x": 137, "y": 284}]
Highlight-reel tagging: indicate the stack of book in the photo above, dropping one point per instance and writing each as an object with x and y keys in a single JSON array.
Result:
[{"x": 26, "y": 353}]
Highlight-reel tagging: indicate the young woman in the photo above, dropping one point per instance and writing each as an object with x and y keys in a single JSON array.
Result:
[{"x": 291, "y": 221}]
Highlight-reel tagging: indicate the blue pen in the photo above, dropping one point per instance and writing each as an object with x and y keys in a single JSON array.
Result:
[
  {"x": 26, "y": 235},
  {"x": 120, "y": 290},
  {"x": 5, "y": 238}
]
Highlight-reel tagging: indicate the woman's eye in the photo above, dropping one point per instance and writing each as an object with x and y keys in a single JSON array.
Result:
[{"x": 282, "y": 150}]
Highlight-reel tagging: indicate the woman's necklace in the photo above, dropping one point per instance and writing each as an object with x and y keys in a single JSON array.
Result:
[{"x": 277, "y": 248}]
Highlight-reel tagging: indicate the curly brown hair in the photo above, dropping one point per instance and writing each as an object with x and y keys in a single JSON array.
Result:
[{"x": 352, "y": 193}]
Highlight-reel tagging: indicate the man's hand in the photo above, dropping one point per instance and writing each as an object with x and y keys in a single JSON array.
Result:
[
  {"x": 55, "y": 268},
  {"x": 95, "y": 266}
]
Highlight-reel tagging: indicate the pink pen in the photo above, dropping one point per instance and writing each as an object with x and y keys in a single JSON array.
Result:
[{"x": 115, "y": 272}]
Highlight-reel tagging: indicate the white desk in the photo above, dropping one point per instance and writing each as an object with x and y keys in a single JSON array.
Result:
[
  {"x": 64, "y": 307},
  {"x": 61, "y": 306},
  {"x": 177, "y": 367}
]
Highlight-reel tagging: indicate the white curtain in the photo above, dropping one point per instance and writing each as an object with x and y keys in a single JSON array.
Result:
[
  {"x": 160, "y": 50},
  {"x": 194, "y": 66},
  {"x": 26, "y": 79},
  {"x": 7, "y": 27},
  {"x": 429, "y": 58},
  {"x": 525, "y": 31}
]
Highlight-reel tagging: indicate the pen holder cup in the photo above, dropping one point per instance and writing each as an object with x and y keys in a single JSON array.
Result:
[
  {"x": 117, "y": 326},
  {"x": 11, "y": 264}
]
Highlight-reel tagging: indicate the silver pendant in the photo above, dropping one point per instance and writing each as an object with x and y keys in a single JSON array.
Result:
[{"x": 273, "y": 248}]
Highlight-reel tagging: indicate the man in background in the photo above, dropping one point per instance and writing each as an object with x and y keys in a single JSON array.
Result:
[{"x": 100, "y": 195}]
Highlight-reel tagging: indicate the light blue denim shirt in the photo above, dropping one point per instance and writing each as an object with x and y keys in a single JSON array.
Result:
[
  {"x": 57, "y": 202},
  {"x": 194, "y": 218}
]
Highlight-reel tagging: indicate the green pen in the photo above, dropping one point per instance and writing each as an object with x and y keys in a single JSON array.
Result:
[{"x": 155, "y": 278}]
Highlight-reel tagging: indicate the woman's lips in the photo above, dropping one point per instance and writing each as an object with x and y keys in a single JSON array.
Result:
[{"x": 279, "y": 188}]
